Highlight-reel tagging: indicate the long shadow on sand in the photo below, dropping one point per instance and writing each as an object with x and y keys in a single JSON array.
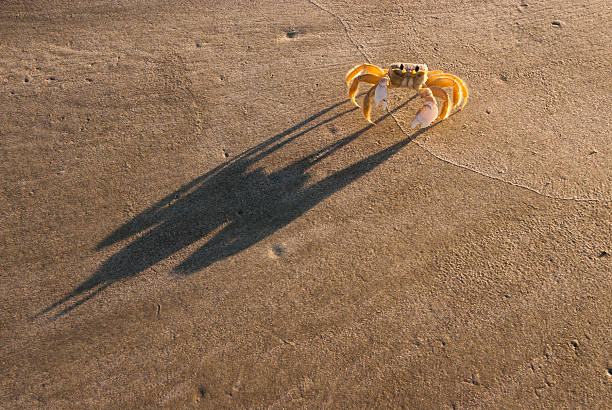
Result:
[{"x": 234, "y": 204}]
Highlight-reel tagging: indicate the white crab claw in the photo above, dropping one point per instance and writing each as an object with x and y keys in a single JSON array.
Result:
[
  {"x": 380, "y": 94},
  {"x": 428, "y": 112}
]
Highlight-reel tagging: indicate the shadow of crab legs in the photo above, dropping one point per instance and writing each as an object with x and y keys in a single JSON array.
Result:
[{"x": 428, "y": 84}]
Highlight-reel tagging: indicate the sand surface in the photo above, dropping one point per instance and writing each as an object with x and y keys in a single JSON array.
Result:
[{"x": 193, "y": 213}]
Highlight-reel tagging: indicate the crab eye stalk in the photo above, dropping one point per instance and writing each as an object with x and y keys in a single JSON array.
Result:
[
  {"x": 401, "y": 67},
  {"x": 416, "y": 69}
]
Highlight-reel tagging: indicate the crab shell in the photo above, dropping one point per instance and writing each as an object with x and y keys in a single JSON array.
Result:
[{"x": 407, "y": 75}]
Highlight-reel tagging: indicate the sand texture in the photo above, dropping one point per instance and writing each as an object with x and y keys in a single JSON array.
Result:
[{"x": 195, "y": 215}]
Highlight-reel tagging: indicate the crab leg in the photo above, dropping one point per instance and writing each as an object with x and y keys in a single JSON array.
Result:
[
  {"x": 441, "y": 93},
  {"x": 446, "y": 82},
  {"x": 464, "y": 91},
  {"x": 366, "y": 78},
  {"x": 369, "y": 68},
  {"x": 367, "y": 103},
  {"x": 428, "y": 112}
]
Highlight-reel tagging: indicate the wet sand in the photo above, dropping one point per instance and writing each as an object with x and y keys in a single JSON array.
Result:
[{"x": 194, "y": 213}]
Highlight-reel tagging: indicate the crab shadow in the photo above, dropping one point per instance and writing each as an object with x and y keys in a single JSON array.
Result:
[{"x": 235, "y": 206}]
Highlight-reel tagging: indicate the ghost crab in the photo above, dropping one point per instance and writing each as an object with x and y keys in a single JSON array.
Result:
[{"x": 406, "y": 75}]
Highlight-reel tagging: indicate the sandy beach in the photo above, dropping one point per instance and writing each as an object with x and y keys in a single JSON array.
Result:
[{"x": 196, "y": 215}]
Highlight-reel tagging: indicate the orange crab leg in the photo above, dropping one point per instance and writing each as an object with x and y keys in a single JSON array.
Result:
[
  {"x": 447, "y": 82},
  {"x": 440, "y": 93},
  {"x": 367, "y": 103},
  {"x": 464, "y": 90},
  {"x": 370, "y": 68},
  {"x": 366, "y": 78}
]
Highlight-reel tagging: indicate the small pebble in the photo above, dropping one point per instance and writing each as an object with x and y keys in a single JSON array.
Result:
[
  {"x": 488, "y": 110},
  {"x": 557, "y": 23}
]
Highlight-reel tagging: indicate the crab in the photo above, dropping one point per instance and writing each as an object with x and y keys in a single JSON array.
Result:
[{"x": 428, "y": 84}]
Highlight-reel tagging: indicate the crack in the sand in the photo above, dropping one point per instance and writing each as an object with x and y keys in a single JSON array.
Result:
[
  {"x": 344, "y": 26},
  {"x": 361, "y": 49}
]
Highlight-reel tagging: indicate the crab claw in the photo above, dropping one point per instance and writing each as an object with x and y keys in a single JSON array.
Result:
[
  {"x": 380, "y": 94},
  {"x": 428, "y": 112}
]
